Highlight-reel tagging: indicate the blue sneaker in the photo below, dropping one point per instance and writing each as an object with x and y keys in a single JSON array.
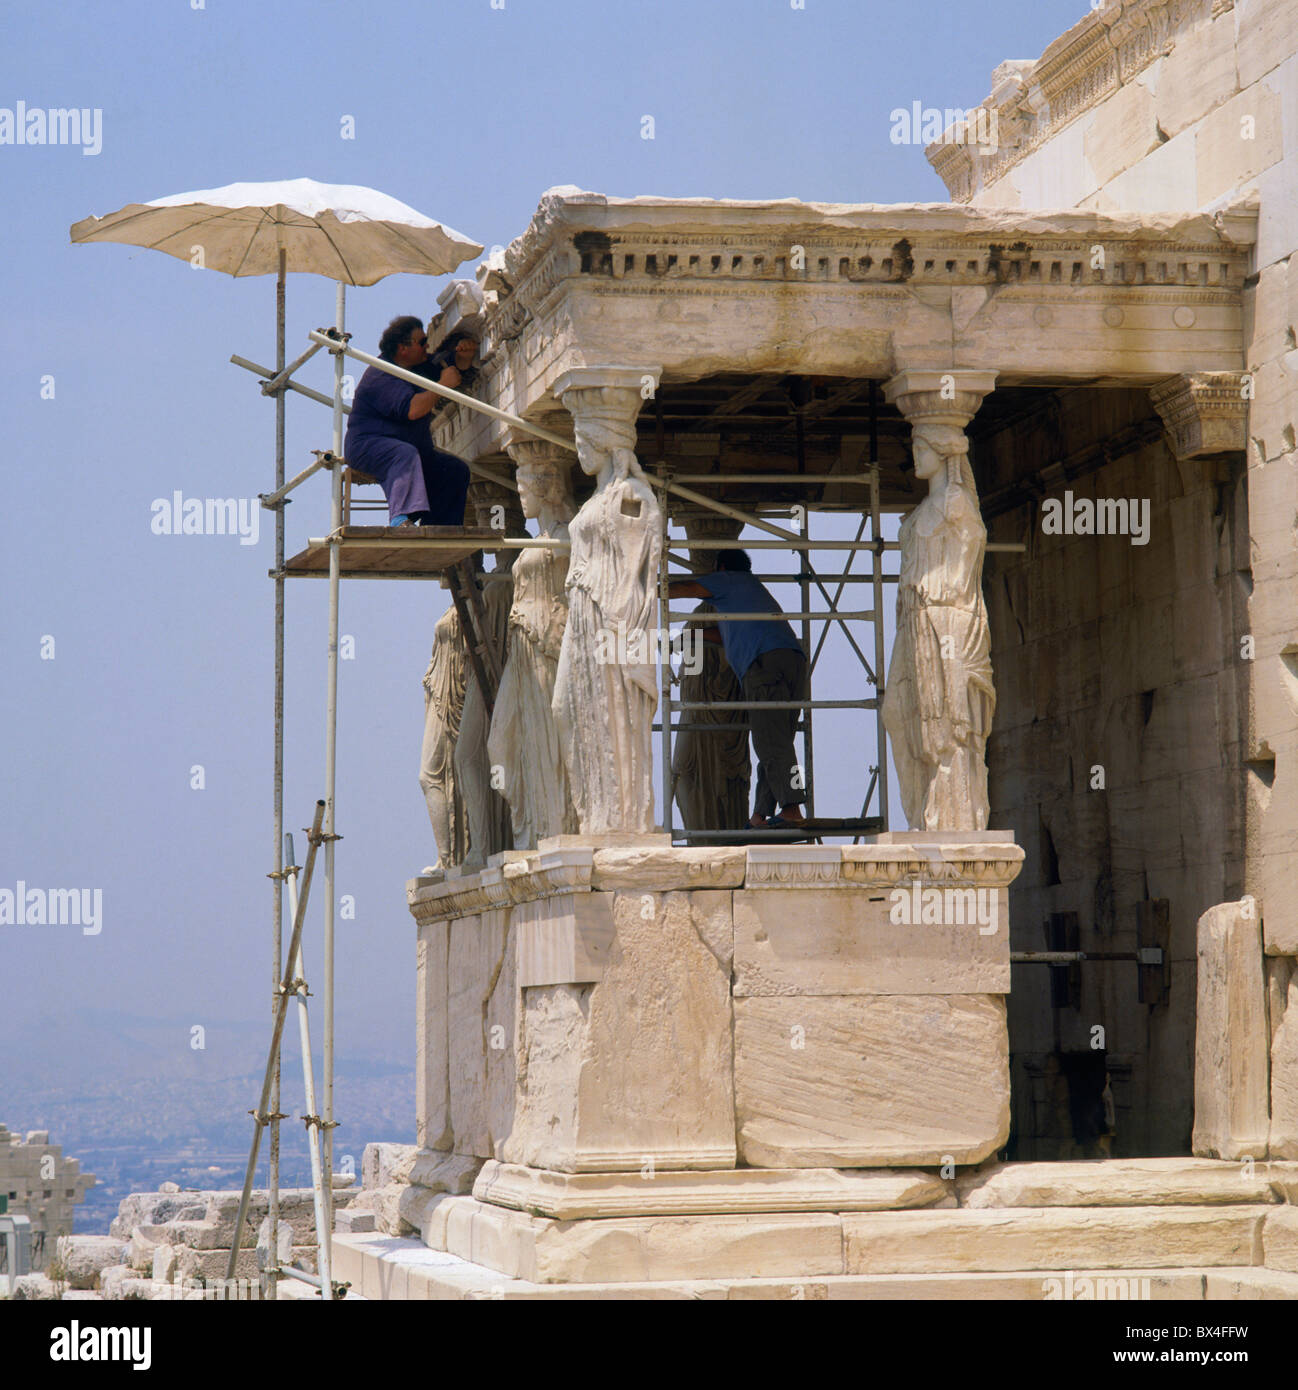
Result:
[{"x": 402, "y": 520}]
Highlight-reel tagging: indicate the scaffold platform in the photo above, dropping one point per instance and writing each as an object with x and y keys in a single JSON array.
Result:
[{"x": 391, "y": 552}]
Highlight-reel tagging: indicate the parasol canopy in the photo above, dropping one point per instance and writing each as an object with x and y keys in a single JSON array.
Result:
[{"x": 349, "y": 233}]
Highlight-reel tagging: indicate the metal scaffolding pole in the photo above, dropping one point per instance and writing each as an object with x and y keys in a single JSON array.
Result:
[
  {"x": 424, "y": 384},
  {"x": 881, "y": 741},
  {"x": 318, "y": 1186},
  {"x": 331, "y": 768},
  {"x": 664, "y": 622},
  {"x": 805, "y": 578},
  {"x": 808, "y": 752},
  {"x": 261, "y": 1116},
  {"x": 277, "y": 873}
]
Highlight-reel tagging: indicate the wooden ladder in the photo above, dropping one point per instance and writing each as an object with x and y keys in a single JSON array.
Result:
[{"x": 467, "y": 595}]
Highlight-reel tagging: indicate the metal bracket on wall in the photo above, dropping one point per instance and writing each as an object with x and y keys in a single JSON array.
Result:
[
  {"x": 1152, "y": 956},
  {"x": 1154, "y": 944}
]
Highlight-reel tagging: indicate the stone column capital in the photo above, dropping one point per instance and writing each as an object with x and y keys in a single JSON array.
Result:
[
  {"x": 611, "y": 394},
  {"x": 606, "y": 378},
  {"x": 485, "y": 496},
  {"x": 941, "y": 396},
  {"x": 702, "y": 525},
  {"x": 527, "y": 449},
  {"x": 1204, "y": 412}
]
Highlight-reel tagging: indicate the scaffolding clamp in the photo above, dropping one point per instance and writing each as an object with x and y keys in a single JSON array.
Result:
[{"x": 337, "y": 336}]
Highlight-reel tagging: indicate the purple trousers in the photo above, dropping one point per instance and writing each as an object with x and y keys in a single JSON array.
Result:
[{"x": 427, "y": 484}]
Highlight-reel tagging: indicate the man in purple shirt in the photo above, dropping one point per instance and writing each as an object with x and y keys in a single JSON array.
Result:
[
  {"x": 769, "y": 664},
  {"x": 389, "y": 436}
]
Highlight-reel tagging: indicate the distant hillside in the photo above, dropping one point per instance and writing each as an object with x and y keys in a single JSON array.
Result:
[{"x": 195, "y": 1130}]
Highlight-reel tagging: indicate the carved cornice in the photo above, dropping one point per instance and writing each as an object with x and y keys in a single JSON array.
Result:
[
  {"x": 557, "y": 873},
  {"x": 883, "y": 866},
  {"x": 521, "y": 881},
  {"x": 1204, "y": 413},
  {"x": 887, "y": 866},
  {"x": 699, "y": 248},
  {"x": 1031, "y": 102}
]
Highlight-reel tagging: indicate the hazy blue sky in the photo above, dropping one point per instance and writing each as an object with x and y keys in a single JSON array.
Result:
[{"x": 162, "y": 644}]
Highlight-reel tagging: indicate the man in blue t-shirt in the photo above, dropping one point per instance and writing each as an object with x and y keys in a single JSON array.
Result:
[
  {"x": 769, "y": 664},
  {"x": 389, "y": 435}
]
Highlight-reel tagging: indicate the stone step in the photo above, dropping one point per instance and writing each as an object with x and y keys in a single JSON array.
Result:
[
  {"x": 1128, "y": 1182},
  {"x": 387, "y": 1267},
  {"x": 804, "y": 1245},
  {"x": 579, "y": 1196},
  {"x": 1052, "y": 1238}
]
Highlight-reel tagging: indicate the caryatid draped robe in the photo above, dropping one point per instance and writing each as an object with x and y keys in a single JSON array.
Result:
[
  {"x": 444, "y": 683},
  {"x": 604, "y": 707},
  {"x": 939, "y": 699},
  {"x": 524, "y": 739}
]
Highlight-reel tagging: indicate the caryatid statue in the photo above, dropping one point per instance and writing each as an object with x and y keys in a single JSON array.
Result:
[
  {"x": 443, "y": 705},
  {"x": 939, "y": 698},
  {"x": 606, "y": 686},
  {"x": 488, "y": 815},
  {"x": 711, "y": 770},
  {"x": 524, "y": 742}
]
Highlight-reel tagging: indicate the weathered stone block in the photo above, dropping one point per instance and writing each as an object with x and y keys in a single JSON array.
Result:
[
  {"x": 870, "y": 1081},
  {"x": 1280, "y": 1239},
  {"x": 84, "y": 1257},
  {"x": 1197, "y": 76},
  {"x": 1268, "y": 36},
  {"x": 164, "y": 1264},
  {"x": 642, "y": 1248},
  {"x": 212, "y": 1264},
  {"x": 476, "y": 957},
  {"x": 647, "y": 870},
  {"x": 1232, "y": 1035},
  {"x": 1284, "y": 1069},
  {"x": 1117, "y": 1182},
  {"x": 502, "y": 1039},
  {"x": 1238, "y": 140},
  {"x": 155, "y": 1208},
  {"x": 923, "y": 1242},
  {"x": 443, "y": 1172},
  {"x": 1121, "y": 132},
  {"x": 638, "y": 1066},
  {"x": 564, "y": 940},
  {"x": 1233, "y": 1285},
  {"x": 34, "y": 1288},
  {"x": 1271, "y": 312},
  {"x": 573, "y": 1196},
  {"x": 826, "y": 941},
  {"x": 355, "y": 1222},
  {"x": 432, "y": 1059}
]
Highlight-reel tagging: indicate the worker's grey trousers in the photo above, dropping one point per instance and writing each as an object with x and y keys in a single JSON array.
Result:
[{"x": 776, "y": 675}]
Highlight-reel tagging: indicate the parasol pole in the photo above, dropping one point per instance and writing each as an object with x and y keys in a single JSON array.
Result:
[
  {"x": 331, "y": 749},
  {"x": 277, "y": 876}
]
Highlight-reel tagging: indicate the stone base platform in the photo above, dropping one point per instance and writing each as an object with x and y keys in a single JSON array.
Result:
[
  {"x": 614, "y": 1004},
  {"x": 389, "y": 1267},
  {"x": 1149, "y": 1228}
]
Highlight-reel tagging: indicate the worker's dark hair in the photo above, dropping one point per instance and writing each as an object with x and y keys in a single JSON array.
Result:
[
  {"x": 445, "y": 357},
  {"x": 397, "y": 332},
  {"x": 734, "y": 560}
]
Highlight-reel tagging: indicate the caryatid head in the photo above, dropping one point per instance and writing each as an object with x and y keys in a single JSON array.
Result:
[
  {"x": 934, "y": 445},
  {"x": 604, "y": 441},
  {"x": 545, "y": 484}
]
